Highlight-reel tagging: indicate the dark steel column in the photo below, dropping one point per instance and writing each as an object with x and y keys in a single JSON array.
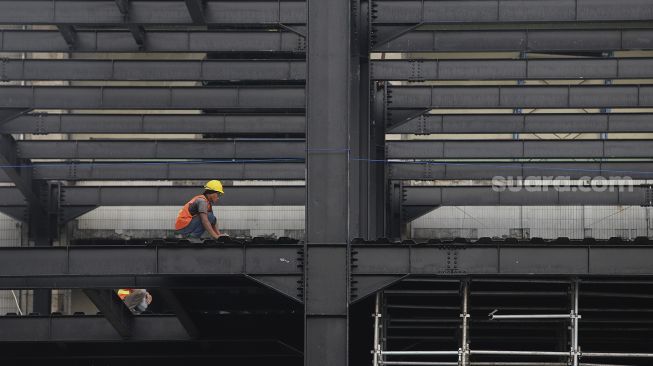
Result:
[{"x": 332, "y": 136}]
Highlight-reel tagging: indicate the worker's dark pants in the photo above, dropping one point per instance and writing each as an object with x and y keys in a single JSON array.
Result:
[{"x": 195, "y": 228}]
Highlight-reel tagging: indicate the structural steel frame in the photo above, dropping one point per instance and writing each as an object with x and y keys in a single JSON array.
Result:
[
  {"x": 253, "y": 50},
  {"x": 236, "y": 124},
  {"x": 524, "y": 123}
]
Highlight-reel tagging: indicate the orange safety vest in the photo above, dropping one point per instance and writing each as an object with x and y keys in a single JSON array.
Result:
[
  {"x": 124, "y": 292},
  {"x": 184, "y": 216}
]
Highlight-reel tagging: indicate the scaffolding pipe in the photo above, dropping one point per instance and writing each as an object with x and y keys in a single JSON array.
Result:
[
  {"x": 518, "y": 353},
  {"x": 612, "y": 354},
  {"x": 530, "y": 316},
  {"x": 377, "y": 345},
  {"x": 465, "y": 343},
  {"x": 419, "y": 363},
  {"x": 419, "y": 353},
  {"x": 428, "y": 363},
  {"x": 575, "y": 349},
  {"x": 519, "y": 364}
]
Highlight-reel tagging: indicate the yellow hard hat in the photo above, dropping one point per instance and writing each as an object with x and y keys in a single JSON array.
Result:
[{"x": 214, "y": 185}]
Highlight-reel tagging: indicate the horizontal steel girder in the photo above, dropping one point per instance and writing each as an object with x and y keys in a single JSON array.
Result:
[
  {"x": 614, "y": 96},
  {"x": 537, "y": 69},
  {"x": 224, "y": 98},
  {"x": 163, "y": 149},
  {"x": 166, "y": 171},
  {"x": 153, "y": 70},
  {"x": 154, "y": 41},
  {"x": 515, "y": 149},
  {"x": 602, "y": 40},
  {"x": 511, "y": 11},
  {"x": 76, "y": 196},
  {"x": 89, "y": 329},
  {"x": 525, "y": 196},
  {"x": 488, "y": 170},
  {"x": 524, "y": 123},
  {"x": 295, "y": 71},
  {"x": 156, "y": 123},
  {"x": 528, "y": 260},
  {"x": 134, "y": 266},
  {"x": 83, "y": 196},
  {"x": 106, "y": 12}
]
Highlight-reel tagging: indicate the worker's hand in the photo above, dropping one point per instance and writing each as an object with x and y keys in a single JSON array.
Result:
[{"x": 148, "y": 298}]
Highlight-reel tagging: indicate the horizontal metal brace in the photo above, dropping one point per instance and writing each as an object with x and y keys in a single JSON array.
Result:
[
  {"x": 280, "y": 98},
  {"x": 484, "y": 170},
  {"x": 89, "y": 329},
  {"x": 77, "y": 196},
  {"x": 120, "y": 265},
  {"x": 511, "y": 259},
  {"x": 528, "y": 69},
  {"x": 497, "y": 11},
  {"x": 224, "y": 124},
  {"x": 148, "y": 170},
  {"x": 518, "y": 149},
  {"x": 553, "y": 96},
  {"x": 523, "y": 123},
  {"x": 215, "y": 150},
  {"x": 105, "y": 12},
  {"x": 154, "y": 70},
  {"x": 259, "y": 42},
  {"x": 536, "y": 40}
]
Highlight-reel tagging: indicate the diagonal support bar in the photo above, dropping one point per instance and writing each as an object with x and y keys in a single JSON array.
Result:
[
  {"x": 196, "y": 11},
  {"x": 114, "y": 310},
  {"x": 12, "y": 165},
  {"x": 172, "y": 301},
  {"x": 69, "y": 34}
]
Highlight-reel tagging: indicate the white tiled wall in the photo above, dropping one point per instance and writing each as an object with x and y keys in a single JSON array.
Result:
[
  {"x": 130, "y": 221},
  {"x": 10, "y": 236},
  {"x": 550, "y": 222}
]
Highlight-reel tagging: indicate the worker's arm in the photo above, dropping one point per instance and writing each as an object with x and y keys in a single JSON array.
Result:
[
  {"x": 208, "y": 227},
  {"x": 215, "y": 227}
]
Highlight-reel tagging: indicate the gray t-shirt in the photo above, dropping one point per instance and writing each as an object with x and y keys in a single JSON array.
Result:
[{"x": 198, "y": 206}]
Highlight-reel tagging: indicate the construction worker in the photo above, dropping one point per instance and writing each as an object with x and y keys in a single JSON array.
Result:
[
  {"x": 197, "y": 216},
  {"x": 137, "y": 300}
]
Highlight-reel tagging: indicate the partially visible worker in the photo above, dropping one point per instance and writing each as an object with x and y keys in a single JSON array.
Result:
[
  {"x": 196, "y": 217},
  {"x": 137, "y": 300}
]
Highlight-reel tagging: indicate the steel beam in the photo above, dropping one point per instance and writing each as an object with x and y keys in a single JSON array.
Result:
[
  {"x": 512, "y": 11},
  {"x": 88, "y": 329},
  {"x": 523, "y": 196},
  {"x": 196, "y": 11},
  {"x": 142, "y": 12},
  {"x": 13, "y": 168},
  {"x": 173, "y": 302},
  {"x": 524, "y": 260},
  {"x": 470, "y": 97},
  {"x": 113, "y": 309},
  {"x": 153, "y": 70},
  {"x": 518, "y": 149},
  {"x": 546, "y": 41},
  {"x": 69, "y": 34},
  {"x": 279, "y": 150},
  {"x": 521, "y": 123},
  {"x": 218, "y": 98},
  {"x": 78, "y": 196},
  {"x": 528, "y": 69},
  {"x": 260, "y": 42},
  {"x": 332, "y": 125},
  {"x": 226, "y": 124},
  {"x": 484, "y": 170},
  {"x": 165, "y": 171},
  {"x": 142, "y": 267}
]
